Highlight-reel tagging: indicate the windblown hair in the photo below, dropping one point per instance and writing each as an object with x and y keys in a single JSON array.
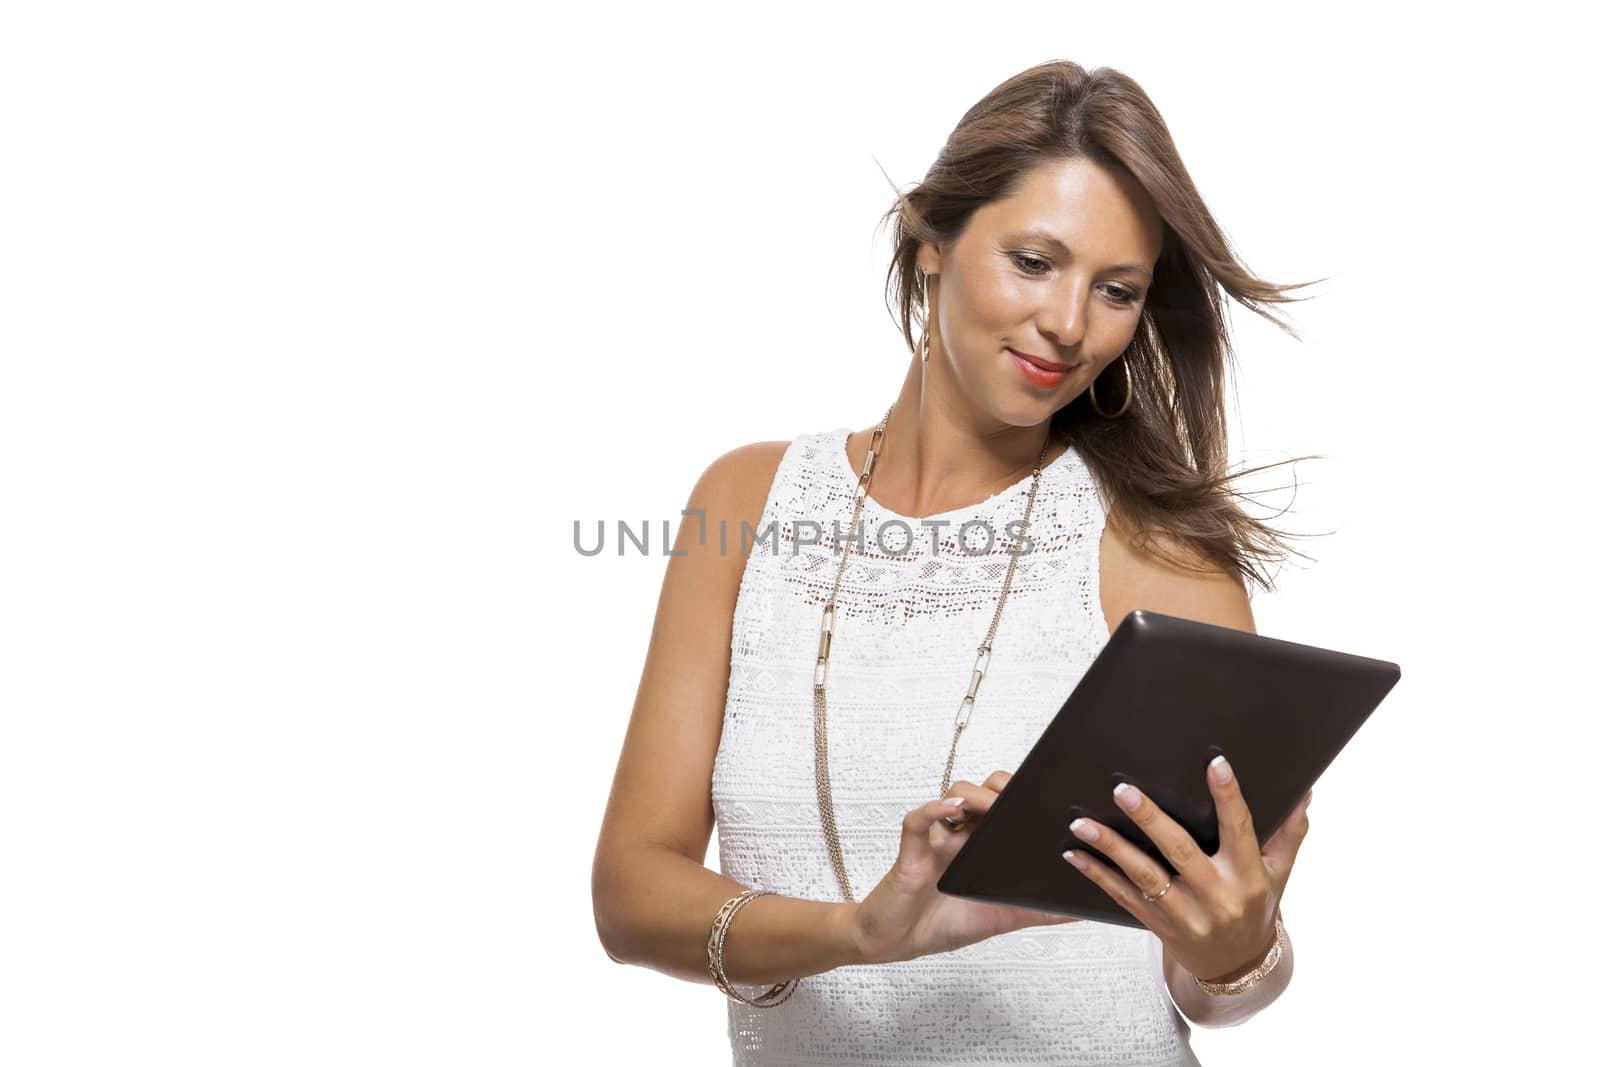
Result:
[{"x": 1162, "y": 464}]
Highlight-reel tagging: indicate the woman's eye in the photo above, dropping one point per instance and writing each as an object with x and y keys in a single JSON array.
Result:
[{"x": 1036, "y": 266}]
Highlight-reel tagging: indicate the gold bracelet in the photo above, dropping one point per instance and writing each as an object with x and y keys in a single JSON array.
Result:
[
  {"x": 1256, "y": 973},
  {"x": 719, "y": 934}
]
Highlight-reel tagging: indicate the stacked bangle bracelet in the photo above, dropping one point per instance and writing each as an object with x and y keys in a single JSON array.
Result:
[
  {"x": 719, "y": 933},
  {"x": 1256, "y": 973}
]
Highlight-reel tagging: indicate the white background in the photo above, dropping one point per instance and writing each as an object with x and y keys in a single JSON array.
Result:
[{"x": 322, "y": 322}]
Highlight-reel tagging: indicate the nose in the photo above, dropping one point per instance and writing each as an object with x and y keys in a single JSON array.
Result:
[{"x": 1063, "y": 317}]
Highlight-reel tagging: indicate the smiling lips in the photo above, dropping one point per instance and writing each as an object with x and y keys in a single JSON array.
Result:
[
  {"x": 1042, "y": 373},
  {"x": 1039, "y": 361}
]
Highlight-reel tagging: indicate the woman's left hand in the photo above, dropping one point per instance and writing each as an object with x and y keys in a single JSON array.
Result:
[{"x": 1217, "y": 917}]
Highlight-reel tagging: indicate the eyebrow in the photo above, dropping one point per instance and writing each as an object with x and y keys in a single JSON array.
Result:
[{"x": 1051, "y": 239}]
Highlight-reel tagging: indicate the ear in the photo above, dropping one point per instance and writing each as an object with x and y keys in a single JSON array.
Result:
[{"x": 928, "y": 258}]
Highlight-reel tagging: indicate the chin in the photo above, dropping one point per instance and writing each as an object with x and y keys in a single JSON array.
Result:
[{"x": 1018, "y": 408}]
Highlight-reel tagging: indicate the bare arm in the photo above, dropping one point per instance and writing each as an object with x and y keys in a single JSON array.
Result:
[
  {"x": 654, "y": 899},
  {"x": 1132, "y": 579},
  {"x": 661, "y": 904}
]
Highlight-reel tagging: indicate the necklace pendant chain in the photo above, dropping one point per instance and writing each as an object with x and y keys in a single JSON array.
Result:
[{"x": 819, "y": 679}]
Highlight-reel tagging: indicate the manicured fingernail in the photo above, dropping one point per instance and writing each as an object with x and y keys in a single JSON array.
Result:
[
  {"x": 1220, "y": 771},
  {"x": 1075, "y": 859},
  {"x": 954, "y": 802},
  {"x": 1084, "y": 830},
  {"x": 1127, "y": 796}
]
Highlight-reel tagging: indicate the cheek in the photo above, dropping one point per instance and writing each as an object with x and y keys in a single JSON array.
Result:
[
  {"x": 1110, "y": 329},
  {"x": 996, "y": 299},
  {"x": 1115, "y": 331}
]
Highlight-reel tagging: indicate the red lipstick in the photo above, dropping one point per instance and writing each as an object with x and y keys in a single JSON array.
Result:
[{"x": 1041, "y": 373}]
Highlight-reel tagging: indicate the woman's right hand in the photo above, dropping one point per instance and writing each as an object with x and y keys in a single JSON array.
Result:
[{"x": 905, "y": 916}]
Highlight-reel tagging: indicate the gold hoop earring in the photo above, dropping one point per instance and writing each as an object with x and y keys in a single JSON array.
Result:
[
  {"x": 922, "y": 346},
  {"x": 1126, "y": 400}
]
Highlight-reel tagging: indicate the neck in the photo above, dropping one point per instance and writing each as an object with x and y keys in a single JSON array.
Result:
[{"x": 938, "y": 454}]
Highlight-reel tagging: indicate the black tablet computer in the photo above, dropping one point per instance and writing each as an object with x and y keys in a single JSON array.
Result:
[{"x": 1164, "y": 696}]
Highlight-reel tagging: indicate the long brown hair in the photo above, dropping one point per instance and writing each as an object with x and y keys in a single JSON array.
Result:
[{"x": 1162, "y": 463}]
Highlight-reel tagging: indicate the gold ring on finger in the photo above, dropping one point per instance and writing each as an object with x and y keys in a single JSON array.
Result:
[{"x": 1158, "y": 896}]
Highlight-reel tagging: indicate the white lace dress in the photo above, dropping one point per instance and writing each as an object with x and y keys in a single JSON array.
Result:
[{"x": 907, "y": 629}]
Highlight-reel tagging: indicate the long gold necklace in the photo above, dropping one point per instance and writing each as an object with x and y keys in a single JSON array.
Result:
[{"x": 819, "y": 679}]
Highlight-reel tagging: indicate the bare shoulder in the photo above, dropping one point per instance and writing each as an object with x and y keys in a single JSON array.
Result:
[
  {"x": 734, "y": 488},
  {"x": 1133, "y": 575}
]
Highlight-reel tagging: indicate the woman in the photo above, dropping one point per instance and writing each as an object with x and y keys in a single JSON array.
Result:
[{"x": 1055, "y": 459}]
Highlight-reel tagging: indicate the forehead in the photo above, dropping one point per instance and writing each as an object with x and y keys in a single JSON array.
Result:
[{"x": 1089, "y": 208}]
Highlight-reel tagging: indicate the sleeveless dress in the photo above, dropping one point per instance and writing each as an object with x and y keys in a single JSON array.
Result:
[{"x": 912, "y": 609}]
